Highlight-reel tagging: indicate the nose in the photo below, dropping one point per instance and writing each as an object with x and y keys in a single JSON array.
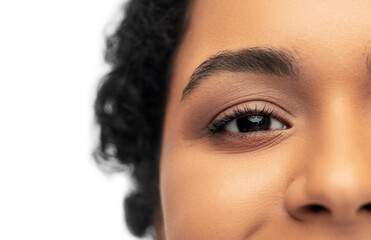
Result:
[
  {"x": 336, "y": 198},
  {"x": 333, "y": 184}
]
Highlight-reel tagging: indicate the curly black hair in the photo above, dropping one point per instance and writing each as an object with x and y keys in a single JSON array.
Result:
[{"x": 130, "y": 102}]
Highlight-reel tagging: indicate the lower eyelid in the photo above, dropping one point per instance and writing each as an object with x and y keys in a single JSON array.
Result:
[
  {"x": 248, "y": 142},
  {"x": 251, "y": 135}
]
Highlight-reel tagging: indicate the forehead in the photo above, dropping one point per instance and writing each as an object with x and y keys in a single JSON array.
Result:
[
  {"x": 328, "y": 30},
  {"x": 239, "y": 22}
]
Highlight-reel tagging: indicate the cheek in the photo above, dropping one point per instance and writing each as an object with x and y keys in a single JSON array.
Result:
[{"x": 207, "y": 194}]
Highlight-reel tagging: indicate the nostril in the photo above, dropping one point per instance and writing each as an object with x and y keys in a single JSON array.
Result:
[
  {"x": 366, "y": 207},
  {"x": 315, "y": 209}
]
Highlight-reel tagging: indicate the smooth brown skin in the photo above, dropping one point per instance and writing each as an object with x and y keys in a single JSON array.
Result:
[{"x": 261, "y": 186}]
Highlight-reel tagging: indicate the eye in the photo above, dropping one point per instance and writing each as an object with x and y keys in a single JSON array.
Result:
[
  {"x": 244, "y": 119},
  {"x": 254, "y": 123}
]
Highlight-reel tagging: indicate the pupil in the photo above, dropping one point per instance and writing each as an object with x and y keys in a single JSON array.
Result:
[{"x": 253, "y": 123}]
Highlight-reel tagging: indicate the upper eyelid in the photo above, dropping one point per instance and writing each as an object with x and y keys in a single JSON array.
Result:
[
  {"x": 259, "y": 102},
  {"x": 246, "y": 109}
]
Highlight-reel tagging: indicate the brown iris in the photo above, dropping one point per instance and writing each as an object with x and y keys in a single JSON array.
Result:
[{"x": 253, "y": 123}]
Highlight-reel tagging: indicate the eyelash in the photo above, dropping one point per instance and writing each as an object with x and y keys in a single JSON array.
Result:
[{"x": 218, "y": 125}]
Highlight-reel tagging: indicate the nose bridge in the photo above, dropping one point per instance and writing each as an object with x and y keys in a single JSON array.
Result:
[
  {"x": 337, "y": 142},
  {"x": 337, "y": 176},
  {"x": 339, "y": 155},
  {"x": 340, "y": 170}
]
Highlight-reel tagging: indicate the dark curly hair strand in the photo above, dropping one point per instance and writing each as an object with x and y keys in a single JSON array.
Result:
[{"x": 131, "y": 98}]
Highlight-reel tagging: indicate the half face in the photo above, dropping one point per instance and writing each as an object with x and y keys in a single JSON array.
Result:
[{"x": 267, "y": 130}]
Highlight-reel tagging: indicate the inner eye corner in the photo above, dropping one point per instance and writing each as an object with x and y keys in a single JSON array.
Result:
[{"x": 287, "y": 126}]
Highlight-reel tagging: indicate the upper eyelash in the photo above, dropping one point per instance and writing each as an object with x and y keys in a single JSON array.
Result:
[{"x": 218, "y": 125}]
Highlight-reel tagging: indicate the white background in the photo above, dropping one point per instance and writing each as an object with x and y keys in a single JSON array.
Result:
[{"x": 50, "y": 63}]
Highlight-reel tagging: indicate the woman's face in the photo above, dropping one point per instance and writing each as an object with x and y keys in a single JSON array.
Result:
[{"x": 270, "y": 138}]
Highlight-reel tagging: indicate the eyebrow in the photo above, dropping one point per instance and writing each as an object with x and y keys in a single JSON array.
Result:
[{"x": 266, "y": 61}]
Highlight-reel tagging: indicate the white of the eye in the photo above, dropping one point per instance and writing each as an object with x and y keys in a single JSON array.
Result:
[
  {"x": 232, "y": 126},
  {"x": 275, "y": 124}
]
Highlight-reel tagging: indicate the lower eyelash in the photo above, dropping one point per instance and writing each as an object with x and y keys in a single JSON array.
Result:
[{"x": 218, "y": 125}]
